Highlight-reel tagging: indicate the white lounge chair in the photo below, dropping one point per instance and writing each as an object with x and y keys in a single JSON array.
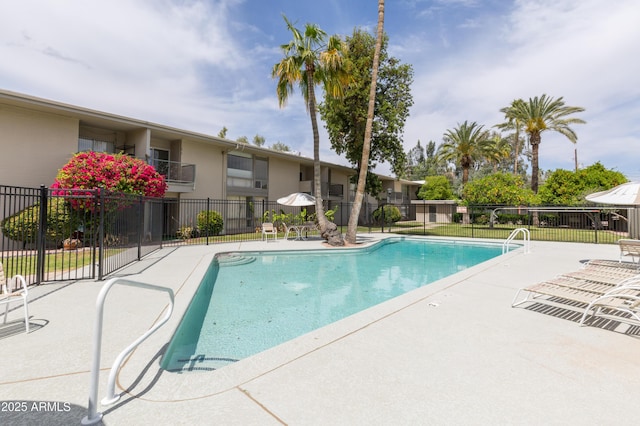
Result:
[
  {"x": 598, "y": 290},
  {"x": 629, "y": 247},
  {"x": 10, "y": 294},
  {"x": 268, "y": 228}
]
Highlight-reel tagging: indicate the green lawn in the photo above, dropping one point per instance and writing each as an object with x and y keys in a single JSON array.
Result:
[
  {"x": 54, "y": 261},
  {"x": 501, "y": 232}
]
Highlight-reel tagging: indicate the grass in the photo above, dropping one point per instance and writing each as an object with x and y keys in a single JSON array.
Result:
[
  {"x": 501, "y": 232},
  {"x": 54, "y": 261}
]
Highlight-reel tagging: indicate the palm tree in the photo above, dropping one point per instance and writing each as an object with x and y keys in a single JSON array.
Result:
[
  {"x": 465, "y": 145},
  {"x": 499, "y": 151},
  {"x": 366, "y": 146},
  {"x": 513, "y": 123},
  {"x": 309, "y": 59},
  {"x": 541, "y": 114}
]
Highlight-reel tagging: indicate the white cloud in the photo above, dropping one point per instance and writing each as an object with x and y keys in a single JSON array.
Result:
[
  {"x": 193, "y": 65},
  {"x": 585, "y": 51}
]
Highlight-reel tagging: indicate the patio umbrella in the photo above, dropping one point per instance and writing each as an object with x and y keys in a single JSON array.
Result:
[
  {"x": 627, "y": 194},
  {"x": 297, "y": 199}
]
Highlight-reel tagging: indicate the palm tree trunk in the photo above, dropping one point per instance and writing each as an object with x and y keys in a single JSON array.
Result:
[
  {"x": 517, "y": 148},
  {"x": 328, "y": 230},
  {"x": 465, "y": 175},
  {"x": 317, "y": 182},
  {"x": 535, "y": 145},
  {"x": 366, "y": 146}
]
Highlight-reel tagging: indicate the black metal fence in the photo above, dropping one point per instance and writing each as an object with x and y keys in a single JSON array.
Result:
[
  {"x": 51, "y": 235},
  {"x": 545, "y": 223}
]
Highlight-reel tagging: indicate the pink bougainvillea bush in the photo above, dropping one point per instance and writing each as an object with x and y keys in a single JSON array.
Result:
[{"x": 117, "y": 173}]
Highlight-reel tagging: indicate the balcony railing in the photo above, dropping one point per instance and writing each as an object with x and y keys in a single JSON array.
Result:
[
  {"x": 329, "y": 190},
  {"x": 174, "y": 172},
  {"x": 395, "y": 198}
]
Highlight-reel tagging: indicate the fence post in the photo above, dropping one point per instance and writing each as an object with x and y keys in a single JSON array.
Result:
[
  {"x": 140, "y": 225},
  {"x": 471, "y": 220},
  {"x": 207, "y": 221},
  {"x": 424, "y": 217},
  {"x": 42, "y": 235},
  {"x": 101, "y": 235}
]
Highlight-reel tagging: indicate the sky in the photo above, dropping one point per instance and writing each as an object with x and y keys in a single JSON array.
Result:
[{"x": 204, "y": 65}]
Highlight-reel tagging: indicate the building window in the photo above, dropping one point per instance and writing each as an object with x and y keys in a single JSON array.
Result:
[
  {"x": 85, "y": 144},
  {"x": 246, "y": 172}
]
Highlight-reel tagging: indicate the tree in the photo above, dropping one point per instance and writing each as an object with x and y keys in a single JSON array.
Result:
[
  {"x": 279, "y": 146},
  {"x": 498, "y": 189},
  {"x": 415, "y": 159},
  {"x": 422, "y": 162},
  {"x": 346, "y": 118},
  {"x": 436, "y": 188},
  {"x": 366, "y": 145},
  {"x": 243, "y": 139},
  {"x": 258, "y": 140},
  {"x": 539, "y": 115},
  {"x": 465, "y": 145},
  {"x": 568, "y": 188},
  {"x": 513, "y": 123},
  {"x": 223, "y": 132},
  {"x": 311, "y": 59}
]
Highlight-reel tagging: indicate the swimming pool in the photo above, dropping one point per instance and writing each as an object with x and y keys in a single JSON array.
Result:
[{"x": 250, "y": 301}]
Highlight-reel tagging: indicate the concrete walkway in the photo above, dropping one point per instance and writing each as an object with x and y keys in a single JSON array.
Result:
[{"x": 451, "y": 353}]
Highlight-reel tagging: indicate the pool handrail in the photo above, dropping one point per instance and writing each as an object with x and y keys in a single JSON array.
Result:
[
  {"x": 93, "y": 416},
  {"x": 526, "y": 236}
]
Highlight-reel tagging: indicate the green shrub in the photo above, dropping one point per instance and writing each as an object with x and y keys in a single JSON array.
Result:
[
  {"x": 210, "y": 222},
  {"x": 23, "y": 226},
  {"x": 391, "y": 214},
  {"x": 482, "y": 219},
  {"x": 185, "y": 232},
  {"x": 512, "y": 218}
]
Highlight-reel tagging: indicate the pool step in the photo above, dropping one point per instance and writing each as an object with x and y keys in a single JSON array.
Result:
[{"x": 234, "y": 259}]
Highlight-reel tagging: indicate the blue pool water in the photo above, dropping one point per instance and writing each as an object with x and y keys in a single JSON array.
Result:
[{"x": 251, "y": 301}]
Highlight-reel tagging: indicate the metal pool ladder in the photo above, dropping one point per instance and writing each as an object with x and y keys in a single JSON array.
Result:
[
  {"x": 526, "y": 236},
  {"x": 93, "y": 416}
]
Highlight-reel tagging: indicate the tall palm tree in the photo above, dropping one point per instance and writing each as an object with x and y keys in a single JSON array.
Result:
[
  {"x": 541, "y": 114},
  {"x": 310, "y": 59},
  {"x": 465, "y": 145},
  {"x": 366, "y": 146},
  {"x": 513, "y": 123}
]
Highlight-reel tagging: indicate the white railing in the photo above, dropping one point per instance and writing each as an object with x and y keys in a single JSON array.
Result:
[
  {"x": 93, "y": 416},
  {"x": 526, "y": 236}
]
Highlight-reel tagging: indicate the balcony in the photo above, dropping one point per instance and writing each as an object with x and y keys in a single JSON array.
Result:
[
  {"x": 394, "y": 198},
  {"x": 330, "y": 191},
  {"x": 180, "y": 177}
]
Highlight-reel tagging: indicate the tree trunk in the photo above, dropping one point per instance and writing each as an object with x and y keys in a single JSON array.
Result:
[
  {"x": 535, "y": 145},
  {"x": 366, "y": 146},
  {"x": 517, "y": 148},
  {"x": 328, "y": 230}
]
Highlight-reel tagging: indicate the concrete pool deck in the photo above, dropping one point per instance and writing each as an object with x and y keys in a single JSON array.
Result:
[{"x": 452, "y": 352}]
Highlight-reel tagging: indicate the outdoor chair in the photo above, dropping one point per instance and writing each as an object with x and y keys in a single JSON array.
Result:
[
  {"x": 10, "y": 294},
  {"x": 600, "y": 290},
  {"x": 287, "y": 229},
  {"x": 269, "y": 229},
  {"x": 629, "y": 247}
]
